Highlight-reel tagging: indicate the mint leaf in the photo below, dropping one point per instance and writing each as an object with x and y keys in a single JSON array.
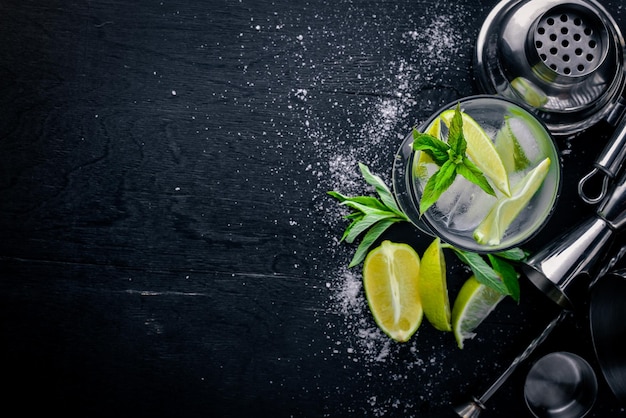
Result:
[
  {"x": 437, "y": 184},
  {"x": 434, "y": 147},
  {"x": 364, "y": 200},
  {"x": 482, "y": 271},
  {"x": 472, "y": 173},
  {"x": 514, "y": 254},
  {"x": 370, "y": 216},
  {"x": 486, "y": 275},
  {"x": 456, "y": 140},
  {"x": 355, "y": 218},
  {"x": 366, "y": 209},
  {"x": 381, "y": 188},
  {"x": 500, "y": 276},
  {"x": 370, "y": 237},
  {"x": 452, "y": 156},
  {"x": 510, "y": 278},
  {"x": 364, "y": 223}
]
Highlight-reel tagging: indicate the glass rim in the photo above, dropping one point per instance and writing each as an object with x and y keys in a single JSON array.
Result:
[{"x": 405, "y": 193}]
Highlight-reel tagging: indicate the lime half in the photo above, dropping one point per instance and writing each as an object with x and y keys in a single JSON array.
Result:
[
  {"x": 390, "y": 278},
  {"x": 473, "y": 304}
]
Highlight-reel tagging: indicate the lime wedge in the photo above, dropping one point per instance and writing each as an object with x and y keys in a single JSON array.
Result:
[
  {"x": 473, "y": 304},
  {"x": 433, "y": 288},
  {"x": 481, "y": 150},
  {"x": 510, "y": 150},
  {"x": 390, "y": 278},
  {"x": 491, "y": 230},
  {"x": 434, "y": 129}
]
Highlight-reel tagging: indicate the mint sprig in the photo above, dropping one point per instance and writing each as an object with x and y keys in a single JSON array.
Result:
[
  {"x": 370, "y": 216},
  {"x": 500, "y": 275},
  {"x": 452, "y": 160}
]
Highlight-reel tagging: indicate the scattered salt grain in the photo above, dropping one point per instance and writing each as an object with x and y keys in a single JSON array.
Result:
[
  {"x": 378, "y": 115},
  {"x": 301, "y": 94}
]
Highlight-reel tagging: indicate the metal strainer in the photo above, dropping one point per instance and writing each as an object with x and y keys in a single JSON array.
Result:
[
  {"x": 565, "y": 62},
  {"x": 571, "y": 42}
]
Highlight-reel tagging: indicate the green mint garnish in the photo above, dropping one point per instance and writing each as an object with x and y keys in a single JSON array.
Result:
[
  {"x": 370, "y": 215},
  {"x": 500, "y": 275},
  {"x": 452, "y": 160}
]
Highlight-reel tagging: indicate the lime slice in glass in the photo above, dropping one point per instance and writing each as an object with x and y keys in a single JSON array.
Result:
[
  {"x": 491, "y": 230},
  {"x": 482, "y": 151}
]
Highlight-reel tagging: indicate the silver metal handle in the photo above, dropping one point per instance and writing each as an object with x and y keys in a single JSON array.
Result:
[
  {"x": 607, "y": 165},
  {"x": 613, "y": 208}
]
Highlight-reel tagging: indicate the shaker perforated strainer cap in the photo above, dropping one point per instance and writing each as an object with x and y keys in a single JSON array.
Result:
[
  {"x": 571, "y": 42},
  {"x": 563, "y": 60}
]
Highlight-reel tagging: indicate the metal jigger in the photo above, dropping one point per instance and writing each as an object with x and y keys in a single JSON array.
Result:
[{"x": 564, "y": 269}]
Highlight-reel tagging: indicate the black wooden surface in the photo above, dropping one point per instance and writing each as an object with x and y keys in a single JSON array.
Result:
[{"x": 168, "y": 248}]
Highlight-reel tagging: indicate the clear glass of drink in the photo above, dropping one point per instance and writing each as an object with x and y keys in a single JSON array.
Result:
[{"x": 460, "y": 210}]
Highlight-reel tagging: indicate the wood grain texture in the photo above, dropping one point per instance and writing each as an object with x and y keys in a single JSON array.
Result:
[{"x": 168, "y": 246}]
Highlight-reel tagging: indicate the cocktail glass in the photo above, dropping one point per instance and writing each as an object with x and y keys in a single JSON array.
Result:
[{"x": 461, "y": 208}]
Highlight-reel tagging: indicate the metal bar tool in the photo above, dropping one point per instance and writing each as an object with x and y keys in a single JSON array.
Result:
[
  {"x": 473, "y": 408},
  {"x": 564, "y": 269}
]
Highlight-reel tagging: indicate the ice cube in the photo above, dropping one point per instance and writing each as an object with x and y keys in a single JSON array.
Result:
[
  {"x": 526, "y": 139},
  {"x": 463, "y": 206}
]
